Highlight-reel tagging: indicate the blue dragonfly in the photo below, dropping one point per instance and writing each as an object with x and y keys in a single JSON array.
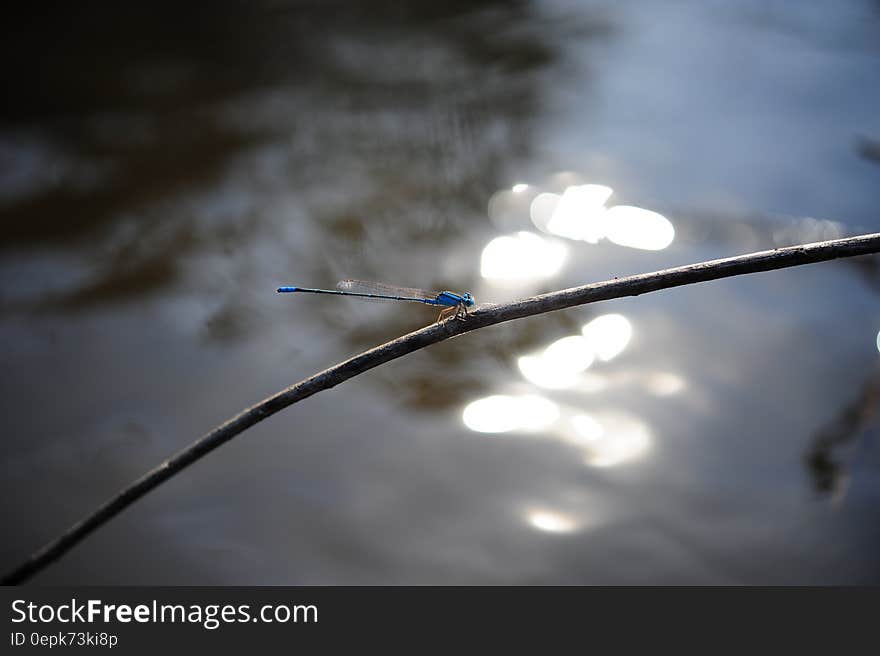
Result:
[{"x": 453, "y": 304}]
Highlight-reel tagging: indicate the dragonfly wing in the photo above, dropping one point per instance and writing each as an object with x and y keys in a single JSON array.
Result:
[{"x": 365, "y": 287}]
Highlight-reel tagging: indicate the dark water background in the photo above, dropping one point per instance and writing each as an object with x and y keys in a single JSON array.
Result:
[{"x": 163, "y": 167}]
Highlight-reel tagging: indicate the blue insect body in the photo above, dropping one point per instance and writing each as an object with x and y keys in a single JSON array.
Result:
[
  {"x": 377, "y": 291},
  {"x": 451, "y": 299}
]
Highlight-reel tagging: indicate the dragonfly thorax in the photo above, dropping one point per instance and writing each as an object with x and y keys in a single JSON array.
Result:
[{"x": 451, "y": 299}]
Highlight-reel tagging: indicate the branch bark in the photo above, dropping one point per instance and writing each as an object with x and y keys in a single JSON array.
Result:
[{"x": 483, "y": 316}]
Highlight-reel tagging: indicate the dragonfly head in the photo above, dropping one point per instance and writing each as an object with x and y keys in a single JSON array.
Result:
[{"x": 468, "y": 299}]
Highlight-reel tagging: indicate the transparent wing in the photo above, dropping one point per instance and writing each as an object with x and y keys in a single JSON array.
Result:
[{"x": 365, "y": 287}]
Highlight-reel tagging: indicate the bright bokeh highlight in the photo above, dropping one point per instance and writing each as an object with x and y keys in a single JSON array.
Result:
[
  {"x": 501, "y": 414},
  {"x": 541, "y": 209},
  {"x": 609, "y": 440},
  {"x": 580, "y": 213},
  {"x": 638, "y": 228},
  {"x": 559, "y": 366},
  {"x": 571, "y": 353},
  {"x": 522, "y": 256},
  {"x": 586, "y": 429},
  {"x": 550, "y": 521},
  {"x": 608, "y": 335},
  {"x": 537, "y": 371},
  {"x": 662, "y": 383}
]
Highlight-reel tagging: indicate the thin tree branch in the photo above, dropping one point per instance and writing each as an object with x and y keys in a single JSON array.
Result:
[{"x": 483, "y": 316}]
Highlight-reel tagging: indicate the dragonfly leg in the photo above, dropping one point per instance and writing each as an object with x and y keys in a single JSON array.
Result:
[
  {"x": 461, "y": 312},
  {"x": 445, "y": 313}
]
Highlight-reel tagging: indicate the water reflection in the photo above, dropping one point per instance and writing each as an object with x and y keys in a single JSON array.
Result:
[
  {"x": 831, "y": 453},
  {"x": 608, "y": 335},
  {"x": 149, "y": 200},
  {"x": 663, "y": 383},
  {"x": 545, "y": 374},
  {"x": 580, "y": 214},
  {"x": 319, "y": 142},
  {"x": 508, "y": 209},
  {"x": 523, "y": 256},
  {"x": 587, "y": 429},
  {"x": 638, "y": 228},
  {"x": 609, "y": 439},
  {"x": 502, "y": 414},
  {"x": 606, "y": 437},
  {"x": 541, "y": 209},
  {"x": 559, "y": 364},
  {"x": 551, "y": 521},
  {"x": 656, "y": 382}
]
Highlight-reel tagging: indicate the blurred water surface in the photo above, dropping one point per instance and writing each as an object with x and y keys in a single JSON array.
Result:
[{"x": 164, "y": 168}]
